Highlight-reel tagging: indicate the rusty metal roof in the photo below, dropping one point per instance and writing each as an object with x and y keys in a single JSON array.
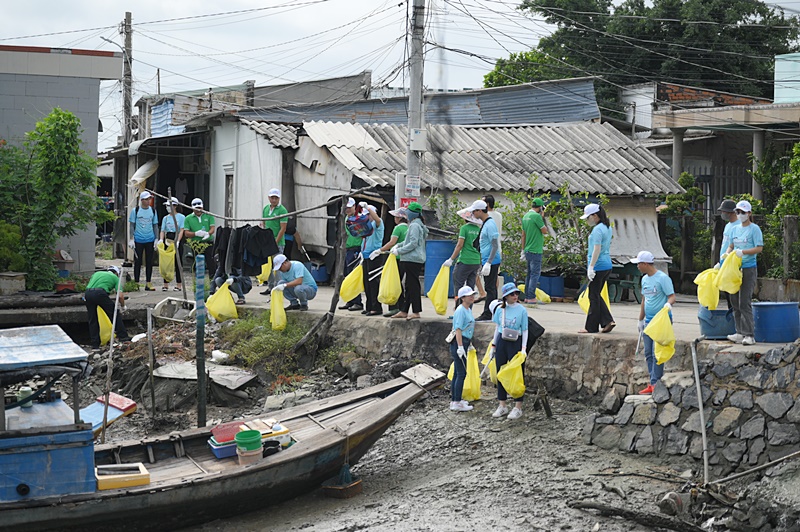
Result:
[
  {"x": 590, "y": 157},
  {"x": 279, "y": 135}
]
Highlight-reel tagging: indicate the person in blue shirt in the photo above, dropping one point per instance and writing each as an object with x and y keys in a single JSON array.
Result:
[
  {"x": 372, "y": 266},
  {"x": 747, "y": 242},
  {"x": 295, "y": 281},
  {"x": 598, "y": 269},
  {"x": 144, "y": 228},
  {"x": 657, "y": 293},
  {"x": 489, "y": 240},
  {"x": 464, "y": 328},
  {"x": 726, "y": 210},
  {"x": 170, "y": 232},
  {"x": 512, "y": 320}
]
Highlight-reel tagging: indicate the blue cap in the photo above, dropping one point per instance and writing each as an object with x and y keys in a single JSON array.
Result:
[{"x": 508, "y": 288}]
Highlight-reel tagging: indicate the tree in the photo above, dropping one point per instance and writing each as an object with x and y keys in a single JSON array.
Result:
[
  {"x": 526, "y": 67},
  {"x": 49, "y": 189}
]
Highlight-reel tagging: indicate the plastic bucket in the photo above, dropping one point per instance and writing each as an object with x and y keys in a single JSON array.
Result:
[
  {"x": 776, "y": 322},
  {"x": 716, "y": 324},
  {"x": 249, "y": 457},
  {"x": 552, "y": 286},
  {"x": 248, "y": 440},
  {"x": 436, "y": 252}
]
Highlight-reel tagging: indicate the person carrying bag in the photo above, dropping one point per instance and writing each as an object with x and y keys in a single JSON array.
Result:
[{"x": 509, "y": 338}]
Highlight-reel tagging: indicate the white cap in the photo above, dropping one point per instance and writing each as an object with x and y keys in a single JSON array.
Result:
[
  {"x": 197, "y": 202},
  {"x": 114, "y": 269},
  {"x": 351, "y": 202},
  {"x": 465, "y": 291},
  {"x": 493, "y": 305},
  {"x": 278, "y": 261},
  {"x": 745, "y": 206},
  {"x": 590, "y": 209},
  {"x": 644, "y": 256},
  {"x": 169, "y": 203},
  {"x": 478, "y": 205},
  {"x": 145, "y": 195},
  {"x": 274, "y": 192}
]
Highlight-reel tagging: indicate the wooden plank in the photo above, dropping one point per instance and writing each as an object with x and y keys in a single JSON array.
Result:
[{"x": 423, "y": 375}]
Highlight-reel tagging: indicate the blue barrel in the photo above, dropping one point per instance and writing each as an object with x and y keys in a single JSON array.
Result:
[
  {"x": 716, "y": 324},
  {"x": 436, "y": 252},
  {"x": 552, "y": 286},
  {"x": 776, "y": 322}
]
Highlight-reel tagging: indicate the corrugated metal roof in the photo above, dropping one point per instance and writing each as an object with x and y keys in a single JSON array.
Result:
[
  {"x": 279, "y": 135},
  {"x": 26, "y": 347},
  {"x": 589, "y": 157}
]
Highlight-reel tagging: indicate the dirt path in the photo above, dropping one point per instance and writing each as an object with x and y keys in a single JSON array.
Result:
[{"x": 438, "y": 470}]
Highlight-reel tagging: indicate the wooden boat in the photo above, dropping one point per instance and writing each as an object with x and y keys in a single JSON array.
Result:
[{"x": 188, "y": 485}]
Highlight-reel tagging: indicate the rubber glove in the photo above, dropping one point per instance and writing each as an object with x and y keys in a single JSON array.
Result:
[
  {"x": 371, "y": 208},
  {"x": 279, "y": 287},
  {"x": 590, "y": 273},
  {"x": 522, "y": 255},
  {"x": 363, "y": 204},
  {"x": 394, "y": 250},
  {"x": 716, "y": 266},
  {"x": 375, "y": 254},
  {"x": 229, "y": 281},
  {"x": 486, "y": 270},
  {"x": 641, "y": 326},
  {"x": 667, "y": 306},
  {"x": 156, "y": 243},
  {"x": 131, "y": 244},
  {"x": 724, "y": 256},
  {"x": 448, "y": 263},
  {"x": 462, "y": 354},
  {"x": 739, "y": 253},
  {"x": 201, "y": 233},
  {"x": 208, "y": 235}
]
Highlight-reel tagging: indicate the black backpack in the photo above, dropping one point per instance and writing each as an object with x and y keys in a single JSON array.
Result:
[{"x": 535, "y": 331}]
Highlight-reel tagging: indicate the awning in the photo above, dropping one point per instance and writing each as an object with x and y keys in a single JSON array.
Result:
[{"x": 166, "y": 141}]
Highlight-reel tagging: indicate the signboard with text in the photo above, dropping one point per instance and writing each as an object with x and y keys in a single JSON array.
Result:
[{"x": 412, "y": 186}]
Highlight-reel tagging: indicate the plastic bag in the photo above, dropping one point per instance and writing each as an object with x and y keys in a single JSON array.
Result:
[
  {"x": 221, "y": 304},
  {"x": 452, "y": 371},
  {"x": 510, "y": 376},
  {"x": 472, "y": 383},
  {"x": 390, "y": 289},
  {"x": 353, "y": 284},
  {"x": 438, "y": 292},
  {"x": 729, "y": 278},
  {"x": 707, "y": 291},
  {"x": 166, "y": 262},
  {"x": 489, "y": 361},
  {"x": 105, "y": 326},
  {"x": 660, "y": 331},
  {"x": 583, "y": 300},
  {"x": 277, "y": 314},
  {"x": 542, "y": 297},
  {"x": 266, "y": 271},
  {"x": 664, "y": 352}
]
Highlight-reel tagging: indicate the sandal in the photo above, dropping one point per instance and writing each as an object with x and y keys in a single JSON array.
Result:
[
  {"x": 164, "y": 288},
  {"x": 608, "y": 328},
  {"x": 412, "y": 317},
  {"x": 240, "y": 302},
  {"x": 176, "y": 289}
]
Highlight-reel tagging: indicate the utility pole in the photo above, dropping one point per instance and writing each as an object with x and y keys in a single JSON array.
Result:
[
  {"x": 127, "y": 80},
  {"x": 415, "y": 117}
]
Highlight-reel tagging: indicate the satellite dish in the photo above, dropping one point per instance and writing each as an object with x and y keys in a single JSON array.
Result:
[{"x": 64, "y": 255}]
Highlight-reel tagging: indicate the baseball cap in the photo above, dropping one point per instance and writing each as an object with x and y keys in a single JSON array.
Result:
[
  {"x": 173, "y": 201},
  {"x": 744, "y": 206},
  {"x": 478, "y": 205},
  {"x": 351, "y": 202},
  {"x": 197, "y": 202},
  {"x": 401, "y": 212},
  {"x": 493, "y": 305},
  {"x": 644, "y": 256},
  {"x": 415, "y": 207},
  {"x": 274, "y": 192},
  {"x": 114, "y": 269},
  {"x": 727, "y": 206},
  {"x": 590, "y": 209},
  {"x": 537, "y": 202},
  {"x": 145, "y": 195},
  {"x": 278, "y": 261},
  {"x": 465, "y": 291}
]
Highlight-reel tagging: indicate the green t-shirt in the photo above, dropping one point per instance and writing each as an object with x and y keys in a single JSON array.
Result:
[
  {"x": 193, "y": 223},
  {"x": 532, "y": 224},
  {"x": 105, "y": 280},
  {"x": 275, "y": 225},
  {"x": 469, "y": 255},
  {"x": 400, "y": 232}
]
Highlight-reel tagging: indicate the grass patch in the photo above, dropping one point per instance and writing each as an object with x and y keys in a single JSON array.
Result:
[
  {"x": 130, "y": 286},
  {"x": 252, "y": 340},
  {"x": 104, "y": 250}
]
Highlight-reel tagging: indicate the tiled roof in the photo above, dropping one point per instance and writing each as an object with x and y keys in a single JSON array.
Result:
[{"x": 279, "y": 135}]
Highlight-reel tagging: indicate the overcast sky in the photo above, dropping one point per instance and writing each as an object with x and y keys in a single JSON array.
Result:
[{"x": 272, "y": 42}]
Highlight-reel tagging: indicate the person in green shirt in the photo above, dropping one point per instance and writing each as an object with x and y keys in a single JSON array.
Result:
[
  {"x": 352, "y": 257},
  {"x": 101, "y": 284},
  {"x": 398, "y": 237},
  {"x": 466, "y": 256},
  {"x": 533, "y": 231},
  {"x": 199, "y": 230},
  {"x": 277, "y": 226}
]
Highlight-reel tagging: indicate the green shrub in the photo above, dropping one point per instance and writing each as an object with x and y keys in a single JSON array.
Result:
[
  {"x": 10, "y": 258},
  {"x": 252, "y": 340}
]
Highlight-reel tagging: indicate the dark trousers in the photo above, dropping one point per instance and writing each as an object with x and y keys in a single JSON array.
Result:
[
  {"x": 412, "y": 292},
  {"x": 503, "y": 353},
  {"x": 143, "y": 250},
  {"x": 211, "y": 264},
  {"x": 371, "y": 268},
  {"x": 350, "y": 262},
  {"x": 599, "y": 314},
  {"x": 459, "y": 369},
  {"x": 97, "y": 297},
  {"x": 490, "y": 285}
]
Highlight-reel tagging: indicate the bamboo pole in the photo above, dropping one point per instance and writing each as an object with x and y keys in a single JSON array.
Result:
[{"x": 110, "y": 361}]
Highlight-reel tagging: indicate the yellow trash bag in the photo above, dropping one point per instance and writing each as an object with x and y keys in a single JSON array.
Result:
[
  {"x": 221, "y": 304},
  {"x": 542, "y": 297},
  {"x": 660, "y": 331},
  {"x": 266, "y": 271},
  {"x": 583, "y": 300},
  {"x": 452, "y": 371},
  {"x": 353, "y": 284},
  {"x": 663, "y": 352},
  {"x": 707, "y": 291},
  {"x": 729, "y": 278},
  {"x": 438, "y": 292},
  {"x": 166, "y": 262},
  {"x": 472, "y": 383},
  {"x": 489, "y": 361},
  {"x": 510, "y": 376},
  {"x": 389, "y": 289},
  {"x": 105, "y": 326},
  {"x": 277, "y": 314}
]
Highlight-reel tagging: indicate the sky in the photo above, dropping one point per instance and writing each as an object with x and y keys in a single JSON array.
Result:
[{"x": 203, "y": 44}]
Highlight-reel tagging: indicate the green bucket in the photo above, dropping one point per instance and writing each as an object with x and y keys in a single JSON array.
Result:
[{"x": 248, "y": 440}]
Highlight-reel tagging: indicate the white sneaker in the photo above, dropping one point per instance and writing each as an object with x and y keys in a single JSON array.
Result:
[
  {"x": 454, "y": 405},
  {"x": 460, "y": 406},
  {"x": 736, "y": 338},
  {"x": 516, "y": 413},
  {"x": 500, "y": 412},
  {"x": 748, "y": 340}
]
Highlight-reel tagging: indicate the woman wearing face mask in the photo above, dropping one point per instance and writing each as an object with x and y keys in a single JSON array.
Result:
[
  {"x": 598, "y": 269},
  {"x": 510, "y": 337},
  {"x": 747, "y": 243}
]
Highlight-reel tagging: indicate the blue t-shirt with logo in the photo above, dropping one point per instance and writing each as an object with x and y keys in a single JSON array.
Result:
[
  {"x": 373, "y": 241},
  {"x": 747, "y": 238},
  {"x": 489, "y": 232},
  {"x": 144, "y": 220},
  {"x": 656, "y": 290},
  {"x": 516, "y": 317},
  {"x": 463, "y": 319},
  {"x": 296, "y": 271},
  {"x": 168, "y": 226},
  {"x": 600, "y": 235},
  {"x": 727, "y": 238}
]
